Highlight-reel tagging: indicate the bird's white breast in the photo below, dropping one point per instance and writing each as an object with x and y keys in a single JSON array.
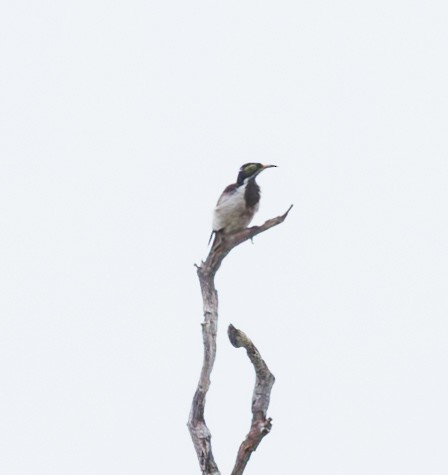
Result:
[{"x": 231, "y": 213}]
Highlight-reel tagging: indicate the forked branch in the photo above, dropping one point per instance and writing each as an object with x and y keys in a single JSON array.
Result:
[{"x": 199, "y": 431}]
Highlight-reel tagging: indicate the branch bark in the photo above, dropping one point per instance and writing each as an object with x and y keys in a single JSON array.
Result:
[
  {"x": 197, "y": 426},
  {"x": 264, "y": 380}
]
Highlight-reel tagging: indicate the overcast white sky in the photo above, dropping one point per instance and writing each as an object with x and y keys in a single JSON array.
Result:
[{"x": 121, "y": 123}]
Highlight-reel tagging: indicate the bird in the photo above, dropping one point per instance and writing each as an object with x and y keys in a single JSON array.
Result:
[{"x": 239, "y": 201}]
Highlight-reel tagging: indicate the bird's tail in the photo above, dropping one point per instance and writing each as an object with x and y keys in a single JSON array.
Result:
[{"x": 211, "y": 237}]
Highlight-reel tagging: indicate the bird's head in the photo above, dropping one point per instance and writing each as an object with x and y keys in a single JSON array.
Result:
[{"x": 251, "y": 170}]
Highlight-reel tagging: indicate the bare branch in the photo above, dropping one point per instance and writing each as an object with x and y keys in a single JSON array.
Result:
[
  {"x": 224, "y": 243},
  {"x": 199, "y": 431},
  {"x": 264, "y": 381}
]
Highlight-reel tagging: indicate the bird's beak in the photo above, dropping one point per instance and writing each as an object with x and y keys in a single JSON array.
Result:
[{"x": 268, "y": 166}]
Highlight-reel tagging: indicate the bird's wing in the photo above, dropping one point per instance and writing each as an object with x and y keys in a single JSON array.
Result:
[{"x": 226, "y": 193}]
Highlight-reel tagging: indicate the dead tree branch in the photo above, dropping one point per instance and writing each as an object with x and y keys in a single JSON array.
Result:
[
  {"x": 264, "y": 380},
  {"x": 223, "y": 244}
]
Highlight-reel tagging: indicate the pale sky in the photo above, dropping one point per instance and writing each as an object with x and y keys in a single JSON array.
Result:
[{"x": 121, "y": 123}]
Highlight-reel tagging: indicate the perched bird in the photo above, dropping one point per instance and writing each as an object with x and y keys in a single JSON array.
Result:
[{"x": 239, "y": 201}]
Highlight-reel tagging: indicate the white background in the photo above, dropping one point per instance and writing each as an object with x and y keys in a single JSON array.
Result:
[{"x": 121, "y": 122}]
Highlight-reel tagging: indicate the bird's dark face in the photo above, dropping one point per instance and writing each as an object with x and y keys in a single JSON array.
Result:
[{"x": 251, "y": 170}]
